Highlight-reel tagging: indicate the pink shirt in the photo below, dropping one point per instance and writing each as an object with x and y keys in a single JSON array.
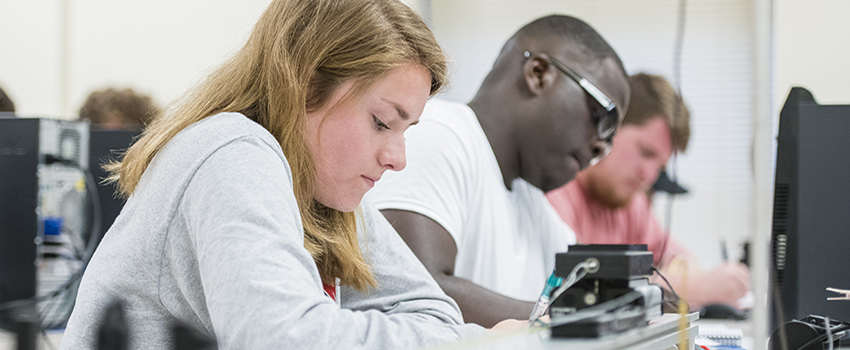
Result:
[{"x": 594, "y": 223}]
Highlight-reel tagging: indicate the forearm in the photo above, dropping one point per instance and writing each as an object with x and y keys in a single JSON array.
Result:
[
  {"x": 480, "y": 305},
  {"x": 437, "y": 251}
]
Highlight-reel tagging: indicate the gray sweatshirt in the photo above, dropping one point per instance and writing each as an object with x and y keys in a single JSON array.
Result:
[{"x": 212, "y": 237}]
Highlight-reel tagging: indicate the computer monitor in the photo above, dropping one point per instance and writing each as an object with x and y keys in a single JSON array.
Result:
[{"x": 810, "y": 235}]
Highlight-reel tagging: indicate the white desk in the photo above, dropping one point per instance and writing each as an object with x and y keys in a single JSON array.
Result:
[{"x": 662, "y": 333}]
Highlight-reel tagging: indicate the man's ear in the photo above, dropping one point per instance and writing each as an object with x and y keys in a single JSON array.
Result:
[{"x": 538, "y": 73}]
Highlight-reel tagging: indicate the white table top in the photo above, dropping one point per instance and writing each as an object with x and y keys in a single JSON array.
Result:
[{"x": 662, "y": 333}]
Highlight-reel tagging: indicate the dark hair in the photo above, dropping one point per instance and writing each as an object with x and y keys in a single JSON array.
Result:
[
  {"x": 6, "y": 104},
  {"x": 573, "y": 35},
  {"x": 654, "y": 97}
]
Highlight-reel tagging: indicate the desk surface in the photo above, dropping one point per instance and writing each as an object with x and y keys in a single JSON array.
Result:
[{"x": 662, "y": 333}]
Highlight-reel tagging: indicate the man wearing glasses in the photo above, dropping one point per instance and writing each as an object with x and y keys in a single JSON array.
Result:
[
  {"x": 471, "y": 203},
  {"x": 608, "y": 204}
]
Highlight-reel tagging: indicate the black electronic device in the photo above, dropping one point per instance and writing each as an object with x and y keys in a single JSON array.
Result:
[
  {"x": 44, "y": 212},
  {"x": 808, "y": 333},
  {"x": 811, "y": 201},
  {"x": 617, "y": 262},
  {"x": 18, "y": 199},
  {"x": 614, "y": 294}
]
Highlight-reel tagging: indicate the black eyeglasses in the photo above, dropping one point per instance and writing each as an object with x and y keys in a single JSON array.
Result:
[{"x": 606, "y": 123}]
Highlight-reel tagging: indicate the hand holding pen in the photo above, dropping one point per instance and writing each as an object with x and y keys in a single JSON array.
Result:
[{"x": 543, "y": 301}]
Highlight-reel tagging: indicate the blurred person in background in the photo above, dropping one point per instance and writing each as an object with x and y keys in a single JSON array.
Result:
[
  {"x": 6, "y": 104},
  {"x": 118, "y": 109},
  {"x": 608, "y": 202}
]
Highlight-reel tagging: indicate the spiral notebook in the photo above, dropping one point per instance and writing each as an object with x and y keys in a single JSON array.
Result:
[{"x": 720, "y": 336}]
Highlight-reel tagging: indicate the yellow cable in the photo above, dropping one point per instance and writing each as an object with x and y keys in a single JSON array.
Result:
[{"x": 676, "y": 265}]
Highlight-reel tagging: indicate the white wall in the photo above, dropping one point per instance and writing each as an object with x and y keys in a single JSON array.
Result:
[
  {"x": 158, "y": 47},
  {"x": 813, "y": 49},
  {"x": 29, "y": 47}
]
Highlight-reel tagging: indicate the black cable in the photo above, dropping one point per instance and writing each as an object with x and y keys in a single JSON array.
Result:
[
  {"x": 672, "y": 304},
  {"x": 65, "y": 298},
  {"x": 94, "y": 235},
  {"x": 824, "y": 336},
  {"x": 666, "y": 281},
  {"x": 51, "y": 306},
  {"x": 37, "y": 299}
]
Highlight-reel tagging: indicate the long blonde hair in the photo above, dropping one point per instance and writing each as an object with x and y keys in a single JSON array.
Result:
[{"x": 299, "y": 52}]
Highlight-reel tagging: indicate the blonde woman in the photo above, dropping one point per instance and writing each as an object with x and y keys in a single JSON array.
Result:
[{"x": 244, "y": 215}]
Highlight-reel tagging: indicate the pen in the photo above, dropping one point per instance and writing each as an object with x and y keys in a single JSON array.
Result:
[{"x": 543, "y": 302}]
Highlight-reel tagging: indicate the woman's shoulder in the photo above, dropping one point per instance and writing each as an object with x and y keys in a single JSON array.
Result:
[
  {"x": 226, "y": 137},
  {"x": 225, "y": 127},
  {"x": 213, "y": 133}
]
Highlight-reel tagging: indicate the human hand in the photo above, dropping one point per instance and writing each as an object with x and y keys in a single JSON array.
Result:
[
  {"x": 509, "y": 325},
  {"x": 725, "y": 284}
]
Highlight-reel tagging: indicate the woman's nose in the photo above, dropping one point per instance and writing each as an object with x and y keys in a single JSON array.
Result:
[{"x": 393, "y": 156}]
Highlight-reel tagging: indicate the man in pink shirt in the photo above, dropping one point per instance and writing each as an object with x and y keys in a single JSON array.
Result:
[{"x": 608, "y": 204}]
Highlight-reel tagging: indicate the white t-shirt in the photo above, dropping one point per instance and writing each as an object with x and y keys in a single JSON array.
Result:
[{"x": 506, "y": 239}]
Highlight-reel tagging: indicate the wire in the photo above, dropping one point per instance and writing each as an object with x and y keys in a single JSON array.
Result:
[
  {"x": 673, "y": 304},
  {"x": 666, "y": 281},
  {"x": 824, "y": 336},
  {"x": 828, "y": 332},
  {"x": 47, "y": 340},
  {"x": 68, "y": 290},
  {"x": 596, "y": 310},
  {"x": 36, "y": 299},
  {"x": 66, "y": 300},
  {"x": 93, "y": 238},
  {"x": 572, "y": 279}
]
